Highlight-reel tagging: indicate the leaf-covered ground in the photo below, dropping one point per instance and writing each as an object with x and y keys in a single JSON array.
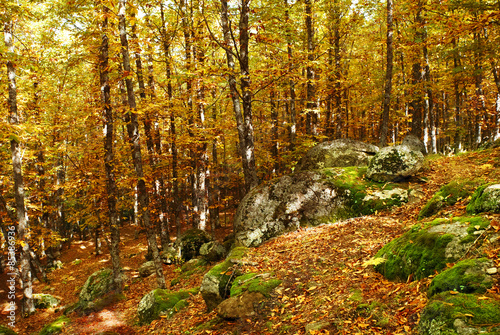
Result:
[{"x": 325, "y": 272}]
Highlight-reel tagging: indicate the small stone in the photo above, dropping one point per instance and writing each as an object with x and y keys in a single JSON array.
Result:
[{"x": 492, "y": 271}]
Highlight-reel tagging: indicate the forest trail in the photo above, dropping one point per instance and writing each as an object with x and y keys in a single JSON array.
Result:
[{"x": 325, "y": 272}]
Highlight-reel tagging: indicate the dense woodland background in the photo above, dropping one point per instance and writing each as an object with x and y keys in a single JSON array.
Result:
[{"x": 172, "y": 110}]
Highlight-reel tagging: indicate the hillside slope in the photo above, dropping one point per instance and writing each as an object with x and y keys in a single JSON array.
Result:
[{"x": 325, "y": 272}]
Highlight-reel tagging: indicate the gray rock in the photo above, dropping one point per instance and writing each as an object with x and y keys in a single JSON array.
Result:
[
  {"x": 212, "y": 251},
  {"x": 43, "y": 301},
  {"x": 170, "y": 255},
  {"x": 393, "y": 164},
  {"x": 162, "y": 302},
  {"x": 190, "y": 242},
  {"x": 147, "y": 269},
  {"x": 240, "y": 306},
  {"x": 281, "y": 205},
  {"x": 337, "y": 153},
  {"x": 414, "y": 143},
  {"x": 485, "y": 199}
]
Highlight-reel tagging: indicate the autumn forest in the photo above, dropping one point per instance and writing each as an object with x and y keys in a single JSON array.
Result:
[{"x": 167, "y": 113}]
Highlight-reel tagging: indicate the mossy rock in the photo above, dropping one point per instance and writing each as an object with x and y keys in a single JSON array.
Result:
[
  {"x": 55, "y": 327},
  {"x": 460, "y": 314},
  {"x": 423, "y": 250},
  {"x": 97, "y": 293},
  {"x": 485, "y": 199},
  {"x": 6, "y": 331},
  {"x": 190, "y": 243},
  {"x": 162, "y": 302},
  {"x": 43, "y": 301},
  {"x": 253, "y": 282},
  {"x": 216, "y": 283},
  {"x": 393, "y": 164},
  {"x": 310, "y": 198},
  {"x": 467, "y": 276},
  {"x": 447, "y": 195}
]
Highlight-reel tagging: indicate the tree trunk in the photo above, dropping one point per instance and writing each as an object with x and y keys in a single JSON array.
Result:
[
  {"x": 244, "y": 121},
  {"x": 496, "y": 124},
  {"x": 291, "y": 83},
  {"x": 134, "y": 139},
  {"x": 28, "y": 306},
  {"x": 311, "y": 105},
  {"x": 384, "y": 124},
  {"x": 109, "y": 156}
]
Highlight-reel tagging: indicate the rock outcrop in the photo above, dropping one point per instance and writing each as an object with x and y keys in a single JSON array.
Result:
[
  {"x": 162, "y": 302},
  {"x": 394, "y": 164},
  {"x": 337, "y": 153},
  {"x": 414, "y": 143},
  {"x": 309, "y": 198},
  {"x": 485, "y": 199},
  {"x": 422, "y": 251},
  {"x": 190, "y": 242}
]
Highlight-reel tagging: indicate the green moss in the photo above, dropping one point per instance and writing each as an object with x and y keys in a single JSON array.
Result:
[
  {"x": 252, "y": 282},
  {"x": 352, "y": 182},
  {"x": 6, "y": 331},
  {"x": 481, "y": 203},
  {"x": 417, "y": 253},
  {"x": 164, "y": 301},
  {"x": 356, "y": 296},
  {"x": 56, "y": 326},
  {"x": 439, "y": 315},
  {"x": 464, "y": 277},
  {"x": 448, "y": 195}
]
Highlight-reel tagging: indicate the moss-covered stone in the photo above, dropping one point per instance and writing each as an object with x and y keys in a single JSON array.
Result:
[
  {"x": 447, "y": 195},
  {"x": 189, "y": 268},
  {"x": 253, "y": 282},
  {"x": 162, "y": 302},
  {"x": 190, "y": 243},
  {"x": 427, "y": 248},
  {"x": 460, "y": 314},
  {"x": 55, "y": 327},
  {"x": 310, "y": 198},
  {"x": 468, "y": 276},
  {"x": 485, "y": 199},
  {"x": 216, "y": 283},
  {"x": 394, "y": 164},
  {"x": 6, "y": 331},
  {"x": 43, "y": 301}
]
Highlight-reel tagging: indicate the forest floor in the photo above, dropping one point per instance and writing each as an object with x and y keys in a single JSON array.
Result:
[{"x": 324, "y": 272}]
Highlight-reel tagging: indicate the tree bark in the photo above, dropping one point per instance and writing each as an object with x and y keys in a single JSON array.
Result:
[
  {"x": 109, "y": 155},
  {"x": 134, "y": 140},
  {"x": 27, "y": 307},
  {"x": 291, "y": 82},
  {"x": 384, "y": 125},
  {"x": 311, "y": 105},
  {"x": 244, "y": 121}
]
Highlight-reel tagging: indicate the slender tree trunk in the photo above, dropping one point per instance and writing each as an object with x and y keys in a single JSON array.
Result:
[
  {"x": 134, "y": 139},
  {"x": 274, "y": 135},
  {"x": 291, "y": 82},
  {"x": 28, "y": 306},
  {"x": 311, "y": 105},
  {"x": 244, "y": 121},
  {"x": 416, "y": 104},
  {"x": 384, "y": 125},
  {"x": 496, "y": 124},
  {"x": 109, "y": 155}
]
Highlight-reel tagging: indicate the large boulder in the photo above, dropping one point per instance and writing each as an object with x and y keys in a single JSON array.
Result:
[
  {"x": 451, "y": 313},
  {"x": 467, "y": 276},
  {"x": 414, "y": 143},
  {"x": 190, "y": 242},
  {"x": 97, "y": 293},
  {"x": 337, "y": 153},
  {"x": 485, "y": 199},
  {"x": 393, "y": 164},
  {"x": 309, "y": 198},
  {"x": 216, "y": 284},
  {"x": 422, "y": 251},
  {"x": 162, "y": 302}
]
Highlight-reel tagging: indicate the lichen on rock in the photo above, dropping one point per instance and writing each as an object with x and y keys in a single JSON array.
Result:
[
  {"x": 394, "y": 164},
  {"x": 485, "y": 199}
]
